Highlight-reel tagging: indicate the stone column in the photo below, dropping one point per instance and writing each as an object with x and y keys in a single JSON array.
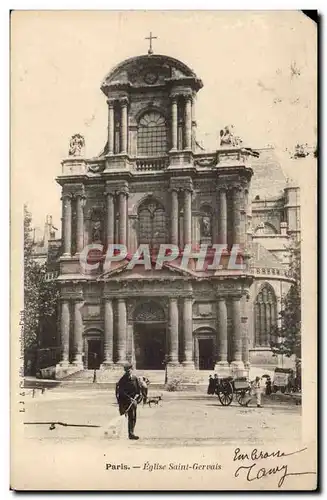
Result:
[
  {"x": 111, "y": 127},
  {"x": 236, "y": 216},
  {"x": 64, "y": 328},
  {"x": 78, "y": 334},
  {"x": 242, "y": 218},
  {"x": 174, "y": 217},
  {"x": 124, "y": 125},
  {"x": 237, "y": 333},
  {"x": 173, "y": 332},
  {"x": 222, "y": 216},
  {"x": 222, "y": 340},
  {"x": 193, "y": 119},
  {"x": 188, "y": 122},
  {"x": 122, "y": 332},
  {"x": 79, "y": 223},
  {"x": 174, "y": 122},
  {"x": 245, "y": 331},
  {"x": 67, "y": 223},
  {"x": 110, "y": 218},
  {"x": 123, "y": 217},
  {"x": 187, "y": 216},
  {"x": 188, "y": 332},
  {"x": 108, "y": 333}
]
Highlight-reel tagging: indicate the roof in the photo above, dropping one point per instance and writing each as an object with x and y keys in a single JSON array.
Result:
[
  {"x": 156, "y": 59},
  {"x": 161, "y": 69},
  {"x": 268, "y": 179},
  {"x": 261, "y": 257}
]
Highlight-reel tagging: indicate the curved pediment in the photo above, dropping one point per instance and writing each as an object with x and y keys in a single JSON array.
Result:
[{"x": 148, "y": 70}]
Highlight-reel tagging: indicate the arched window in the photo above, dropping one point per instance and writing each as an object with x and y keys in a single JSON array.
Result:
[
  {"x": 265, "y": 314},
  {"x": 205, "y": 224},
  {"x": 152, "y": 223},
  {"x": 152, "y": 135}
]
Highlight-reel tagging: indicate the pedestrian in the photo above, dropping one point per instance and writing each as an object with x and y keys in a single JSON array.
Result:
[
  {"x": 268, "y": 386},
  {"x": 128, "y": 394},
  {"x": 211, "y": 386},
  {"x": 216, "y": 380},
  {"x": 257, "y": 391}
]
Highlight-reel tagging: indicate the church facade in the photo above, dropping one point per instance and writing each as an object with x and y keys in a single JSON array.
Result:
[{"x": 153, "y": 185}]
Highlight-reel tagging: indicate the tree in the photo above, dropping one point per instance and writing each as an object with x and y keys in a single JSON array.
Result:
[
  {"x": 31, "y": 295},
  {"x": 288, "y": 335},
  {"x": 40, "y": 299}
]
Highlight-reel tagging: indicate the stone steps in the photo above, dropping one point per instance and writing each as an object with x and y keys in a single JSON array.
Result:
[{"x": 156, "y": 377}]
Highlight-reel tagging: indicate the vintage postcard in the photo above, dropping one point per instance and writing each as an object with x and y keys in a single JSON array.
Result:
[{"x": 163, "y": 239}]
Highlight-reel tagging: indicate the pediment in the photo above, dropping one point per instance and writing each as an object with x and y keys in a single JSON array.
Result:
[
  {"x": 147, "y": 71},
  {"x": 122, "y": 272}
]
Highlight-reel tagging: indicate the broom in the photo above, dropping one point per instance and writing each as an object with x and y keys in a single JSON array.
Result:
[{"x": 115, "y": 425}]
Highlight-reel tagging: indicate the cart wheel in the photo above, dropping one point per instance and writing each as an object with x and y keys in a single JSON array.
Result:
[
  {"x": 225, "y": 394},
  {"x": 240, "y": 396}
]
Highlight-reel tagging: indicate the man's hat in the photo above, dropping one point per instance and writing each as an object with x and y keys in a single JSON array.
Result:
[{"x": 128, "y": 366}]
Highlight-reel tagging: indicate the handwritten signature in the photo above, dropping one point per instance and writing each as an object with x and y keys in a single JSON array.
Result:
[{"x": 253, "y": 472}]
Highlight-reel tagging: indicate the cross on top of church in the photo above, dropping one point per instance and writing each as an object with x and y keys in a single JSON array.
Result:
[{"x": 150, "y": 38}]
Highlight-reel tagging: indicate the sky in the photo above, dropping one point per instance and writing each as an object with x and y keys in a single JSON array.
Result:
[{"x": 258, "y": 69}]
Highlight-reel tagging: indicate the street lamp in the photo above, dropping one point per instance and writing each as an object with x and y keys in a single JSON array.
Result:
[{"x": 165, "y": 363}]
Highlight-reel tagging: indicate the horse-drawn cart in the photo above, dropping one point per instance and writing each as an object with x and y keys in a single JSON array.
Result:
[{"x": 227, "y": 387}]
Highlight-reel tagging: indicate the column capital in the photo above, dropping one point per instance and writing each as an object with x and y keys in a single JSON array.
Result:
[
  {"x": 123, "y": 101},
  {"x": 111, "y": 102},
  {"x": 78, "y": 300},
  {"x": 181, "y": 92},
  {"x": 235, "y": 296},
  {"x": 123, "y": 190},
  {"x": 73, "y": 190},
  {"x": 181, "y": 184},
  {"x": 109, "y": 190},
  {"x": 116, "y": 187},
  {"x": 222, "y": 187},
  {"x": 80, "y": 194},
  {"x": 236, "y": 187},
  {"x": 66, "y": 196}
]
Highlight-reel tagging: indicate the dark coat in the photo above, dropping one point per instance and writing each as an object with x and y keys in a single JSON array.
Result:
[{"x": 127, "y": 388}]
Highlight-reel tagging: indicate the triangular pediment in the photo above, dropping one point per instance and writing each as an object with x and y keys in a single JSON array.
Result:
[{"x": 122, "y": 271}]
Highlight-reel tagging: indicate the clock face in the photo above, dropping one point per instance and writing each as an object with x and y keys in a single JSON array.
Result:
[{"x": 151, "y": 77}]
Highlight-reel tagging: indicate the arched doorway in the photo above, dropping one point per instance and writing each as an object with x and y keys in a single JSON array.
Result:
[
  {"x": 205, "y": 348},
  {"x": 93, "y": 349},
  {"x": 149, "y": 336}
]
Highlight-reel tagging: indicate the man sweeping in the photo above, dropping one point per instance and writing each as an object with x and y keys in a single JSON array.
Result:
[{"x": 128, "y": 394}]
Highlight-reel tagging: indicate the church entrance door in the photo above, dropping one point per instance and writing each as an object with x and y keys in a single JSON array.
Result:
[
  {"x": 94, "y": 354},
  {"x": 150, "y": 346},
  {"x": 149, "y": 335},
  {"x": 206, "y": 354}
]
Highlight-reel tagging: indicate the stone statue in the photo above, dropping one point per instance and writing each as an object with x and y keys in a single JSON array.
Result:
[
  {"x": 76, "y": 145},
  {"x": 206, "y": 226},
  {"x": 96, "y": 231},
  {"x": 228, "y": 138}
]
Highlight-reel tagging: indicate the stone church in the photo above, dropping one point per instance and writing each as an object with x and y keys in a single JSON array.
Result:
[{"x": 154, "y": 184}]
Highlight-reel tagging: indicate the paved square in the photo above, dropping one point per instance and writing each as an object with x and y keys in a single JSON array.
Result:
[{"x": 183, "y": 419}]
